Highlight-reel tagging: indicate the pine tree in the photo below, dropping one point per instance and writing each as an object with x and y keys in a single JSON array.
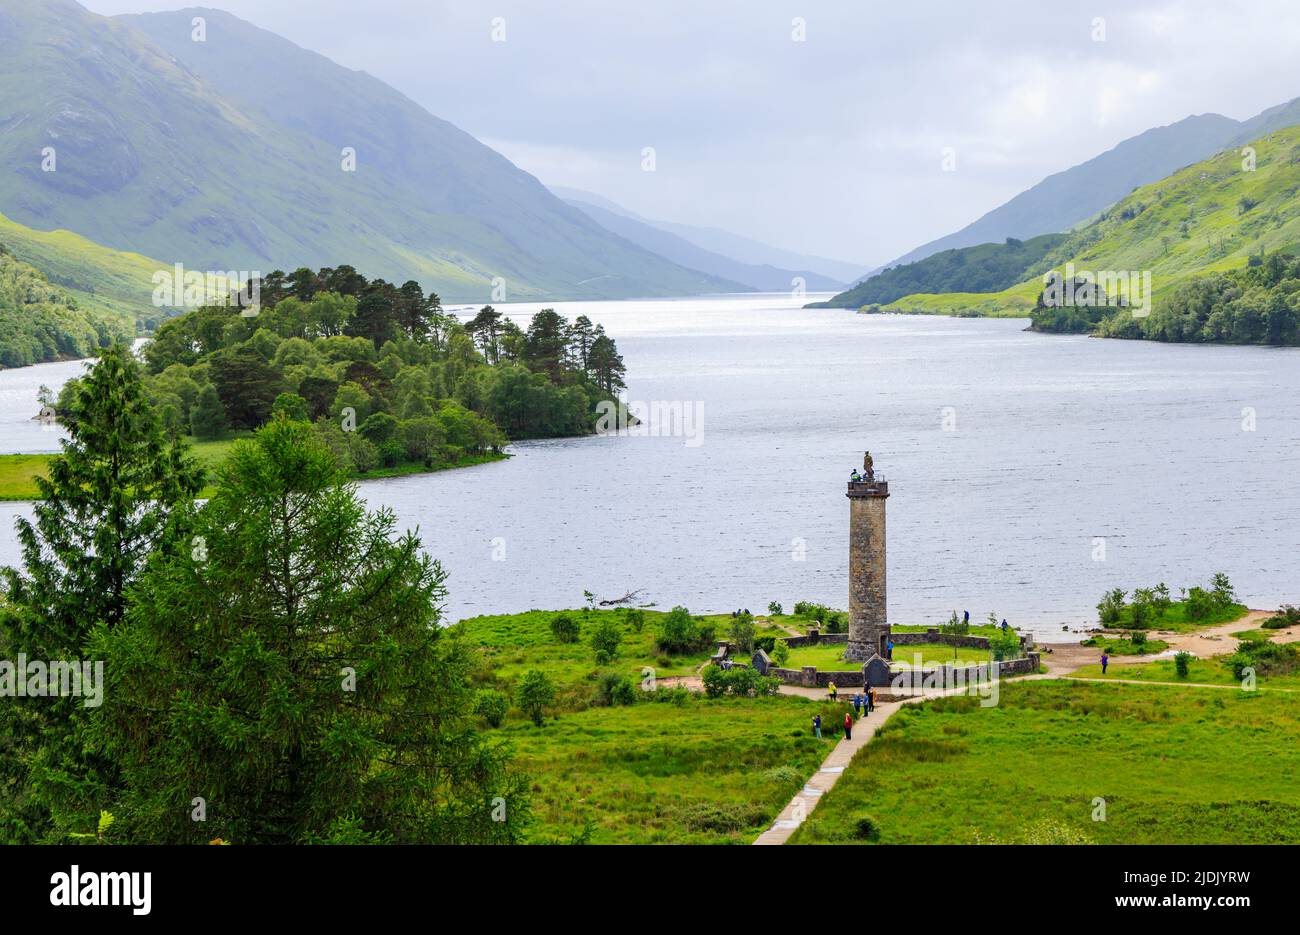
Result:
[
  {"x": 208, "y": 420},
  {"x": 296, "y": 679},
  {"x": 101, "y": 512}
]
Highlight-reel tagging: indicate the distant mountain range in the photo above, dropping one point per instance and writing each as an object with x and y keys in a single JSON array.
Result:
[
  {"x": 231, "y": 154},
  {"x": 1065, "y": 199},
  {"x": 714, "y": 250}
]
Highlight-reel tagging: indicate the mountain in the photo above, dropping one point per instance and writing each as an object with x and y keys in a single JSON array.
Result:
[
  {"x": 1206, "y": 219},
  {"x": 987, "y": 267},
  {"x": 685, "y": 253},
  {"x": 110, "y": 282},
  {"x": 228, "y": 154},
  {"x": 40, "y": 322},
  {"x": 1061, "y": 201},
  {"x": 724, "y": 243}
]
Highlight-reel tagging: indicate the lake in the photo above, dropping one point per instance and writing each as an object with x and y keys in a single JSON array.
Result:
[{"x": 1028, "y": 473}]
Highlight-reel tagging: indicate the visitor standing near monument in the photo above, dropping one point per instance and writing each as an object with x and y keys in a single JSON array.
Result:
[
  {"x": 817, "y": 726},
  {"x": 848, "y": 726},
  {"x": 871, "y": 698},
  {"x": 889, "y": 649},
  {"x": 857, "y": 705},
  {"x": 831, "y": 691}
]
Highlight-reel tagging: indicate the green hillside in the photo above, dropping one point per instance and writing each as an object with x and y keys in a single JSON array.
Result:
[
  {"x": 987, "y": 267},
  {"x": 40, "y": 322},
  {"x": 101, "y": 279},
  {"x": 231, "y": 154},
  {"x": 1209, "y": 218}
]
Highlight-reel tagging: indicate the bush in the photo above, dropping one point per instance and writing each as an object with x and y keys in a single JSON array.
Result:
[
  {"x": 774, "y": 609},
  {"x": 780, "y": 652},
  {"x": 1005, "y": 644},
  {"x": 765, "y": 643},
  {"x": 1112, "y": 604},
  {"x": 1265, "y": 658},
  {"x": 741, "y": 681},
  {"x": 605, "y": 639},
  {"x": 1182, "y": 664},
  {"x": 679, "y": 633},
  {"x": 1287, "y": 616},
  {"x": 866, "y": 828},
  {"x": 391, "y": 453},
  {"x": 565, "y": 629},
  {"x": 1138, "y": 639},
  {"x": 491, "y": 705},
  {"x": 536, "y": 693},
  {"x": 634, "y": 618},
  {"x": 742, "y": 632},
  {"x": 836, "y": 621},
  {"x": 615, "y": 689},
  {"x": 1200, "y": 604}
]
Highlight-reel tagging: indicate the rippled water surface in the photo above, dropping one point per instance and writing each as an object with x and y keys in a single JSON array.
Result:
[{"x": 1055, "y": 447}]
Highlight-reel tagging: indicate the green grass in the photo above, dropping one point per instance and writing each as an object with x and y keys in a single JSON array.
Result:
[
  {"x": 18, "y": 472},
  {"x": 1175, "y": 618},
  {"x": 1123, "y": 646},
  {"x": 703, "y": 772},
  {"x": 1174, "y": 766},
  {"x": 1210, "y": 671},
  {"x": 831, "y": 656}
]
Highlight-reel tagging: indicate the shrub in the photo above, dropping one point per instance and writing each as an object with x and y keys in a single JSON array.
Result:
[
  {"x": 1005, "y": 644},
  {"x": 491, "y": 705},
  {"x": 391, "y": 453},
  {"x": 741, "y": 681},
  {"x": 1112, "y": 604},
  {"x": 780, "y": 652},
  {"x": 1222, "y": 593},
  {"x": 634, "y": 618},
  {"x": 1200, "y": 604},
  {"x": 774, "y": 609},
  {"x": 742, "y": 632},
  {"x": 836, "y": 620},
  {"x": 1265, "y": 658},
  {"x": 1138, "y": 639},
  {"x": 679, "y": 632},
  {"x": 866, "y": 828},
  {"x": 565, "y": 629},
  {"x": 615, "y": 689},
  {"x": 1287, "y": 616},
  {"x": 1182, "y": 664},
  {"x": 605, "y": 638},
  {"x": 765, "y": 643},
  {"x": 955, "y": 626},
  {"x": 535, "y": 694},
  {"x": 715, "y": 681}
]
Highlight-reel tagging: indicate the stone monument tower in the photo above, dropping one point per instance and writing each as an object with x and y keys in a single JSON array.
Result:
[{"x": 868, "y": 621}]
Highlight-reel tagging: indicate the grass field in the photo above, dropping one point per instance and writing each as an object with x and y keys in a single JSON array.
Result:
[
  {"x": 1174, "y": 765},
  {"x": 1123, "y": 646},
  {"x": 831, "y": 656},
  {"x": 703, "y": 772},
  {"x": 1176, "y": 619},
  {"x": 18, "y": 472},
  {"x": 1207, "y": 671}
]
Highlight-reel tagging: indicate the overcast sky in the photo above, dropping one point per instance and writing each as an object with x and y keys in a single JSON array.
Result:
[{"x": 831, "y": 145}]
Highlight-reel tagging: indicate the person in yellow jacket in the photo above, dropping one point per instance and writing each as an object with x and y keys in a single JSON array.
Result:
[{"x": 831, "y": 691}]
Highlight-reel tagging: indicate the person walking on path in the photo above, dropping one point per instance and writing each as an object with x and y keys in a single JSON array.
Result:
[
  {"x": 848, "y": 726},
  {"x": 871, "y": 698},
  {"x": 817, "y": 726},
  {"x": 857, "y": 705},
  {"x": 831, "y": 691},
  {"x": 1105, "y": 661}
]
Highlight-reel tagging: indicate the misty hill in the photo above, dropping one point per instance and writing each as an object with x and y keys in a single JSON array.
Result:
[
  {"x": 715, "y": 241},
  {"x": 227, "y": 154},
  {"x": 685, "y": 253}
]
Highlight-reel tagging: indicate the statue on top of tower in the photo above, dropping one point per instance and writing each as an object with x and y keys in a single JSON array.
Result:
[{"x": 868, "y": 467}]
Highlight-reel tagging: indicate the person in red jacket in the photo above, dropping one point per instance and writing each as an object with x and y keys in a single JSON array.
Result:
[{"x": 848, "y": 726}]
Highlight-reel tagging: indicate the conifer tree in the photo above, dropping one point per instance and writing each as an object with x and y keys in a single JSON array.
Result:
[
  {"x": 101, "y": 512},
  {"x": 293, "y": 678}
]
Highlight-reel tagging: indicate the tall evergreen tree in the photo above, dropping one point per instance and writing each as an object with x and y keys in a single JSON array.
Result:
[
  {"x": 295, "y": 677},
  {"x": 101, "y": 512}
]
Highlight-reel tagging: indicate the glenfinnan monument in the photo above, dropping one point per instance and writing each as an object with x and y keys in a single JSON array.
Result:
[{"x": 868, "y": 621}]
